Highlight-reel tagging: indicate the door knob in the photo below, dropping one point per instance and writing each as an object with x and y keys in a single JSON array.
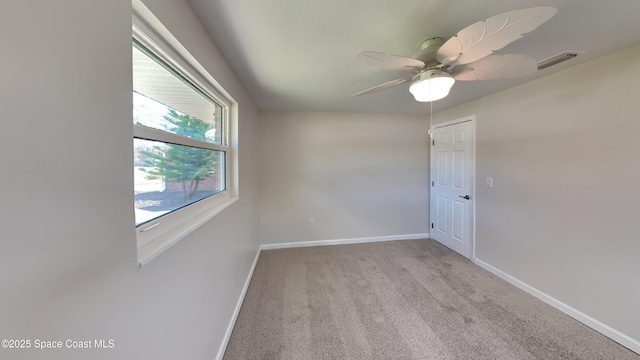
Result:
[{"x": 466, "y": 197}]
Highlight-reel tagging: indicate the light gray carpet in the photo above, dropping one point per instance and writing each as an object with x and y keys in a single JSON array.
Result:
[{"x": 399, "y": 300}]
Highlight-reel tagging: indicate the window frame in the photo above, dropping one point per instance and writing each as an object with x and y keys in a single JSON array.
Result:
[{"x": 157, "y": 235}]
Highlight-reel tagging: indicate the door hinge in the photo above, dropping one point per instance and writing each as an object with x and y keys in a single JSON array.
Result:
[
  {"x": 433, "y": 184},
  {"x": 432, "y": 225},
  {"x": 433, "y": 142}
]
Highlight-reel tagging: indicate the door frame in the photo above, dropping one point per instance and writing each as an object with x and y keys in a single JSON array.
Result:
[{"x": 472, "y": 217}]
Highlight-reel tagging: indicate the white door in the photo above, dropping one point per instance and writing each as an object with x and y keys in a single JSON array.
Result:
[{"x": 452, "y": 175}]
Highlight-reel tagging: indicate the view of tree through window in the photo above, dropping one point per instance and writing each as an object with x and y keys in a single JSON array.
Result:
[{"x": 169, "y": 175}]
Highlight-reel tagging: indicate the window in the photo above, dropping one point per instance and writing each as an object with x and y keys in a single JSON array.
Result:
[{"x": 182, "y": 147}]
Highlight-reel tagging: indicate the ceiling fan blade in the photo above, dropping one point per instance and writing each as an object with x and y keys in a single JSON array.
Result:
[
  {"x": 386, "y": 85},
  {"x": 389, "y": 61},
  {"x": 482, "y": 38},
  {"x": 496, "y": 67}
]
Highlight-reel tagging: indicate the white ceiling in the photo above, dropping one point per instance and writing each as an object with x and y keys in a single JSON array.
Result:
[{"x": 301, "y": 54}]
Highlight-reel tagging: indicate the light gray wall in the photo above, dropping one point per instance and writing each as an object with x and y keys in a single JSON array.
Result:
[
  {"x": 68, "y": 266},
  {"x": 358, "y": 175},
  {"x": 563, "y": 213}
]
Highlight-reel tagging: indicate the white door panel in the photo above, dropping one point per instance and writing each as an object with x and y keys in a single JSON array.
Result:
[{"x": 452, "y": 185}]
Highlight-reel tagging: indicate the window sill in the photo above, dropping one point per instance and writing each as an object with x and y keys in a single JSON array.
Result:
[{"x": 162, "y": 243}]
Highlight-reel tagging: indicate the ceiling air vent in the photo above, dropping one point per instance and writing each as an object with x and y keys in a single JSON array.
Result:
[{"x": 557, "y": 59}]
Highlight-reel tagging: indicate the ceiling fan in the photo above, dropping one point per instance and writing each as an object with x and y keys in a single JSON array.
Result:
[{"x": 465, "y": 57}]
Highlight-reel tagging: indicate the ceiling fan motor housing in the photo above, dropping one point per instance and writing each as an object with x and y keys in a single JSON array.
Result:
[{"x": 428, "y": 49}]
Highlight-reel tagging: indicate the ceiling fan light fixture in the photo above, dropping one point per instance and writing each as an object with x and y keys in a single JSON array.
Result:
[{"x": 431, "y": 86}]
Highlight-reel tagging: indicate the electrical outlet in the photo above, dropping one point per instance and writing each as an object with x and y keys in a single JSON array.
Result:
[{"x": 312, "y": 223}]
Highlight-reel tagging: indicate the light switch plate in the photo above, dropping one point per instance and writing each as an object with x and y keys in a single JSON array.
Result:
[{"x": 489, "y": 182}]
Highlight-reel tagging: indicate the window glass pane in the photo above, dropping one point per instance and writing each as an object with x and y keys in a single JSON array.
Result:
[
  {"x": 168, "y": 177},
  {"x": 162, "y": 97}
]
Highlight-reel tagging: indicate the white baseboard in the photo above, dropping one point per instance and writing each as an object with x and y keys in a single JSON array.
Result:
[
  {"x": 344, "y": 241},
  {"x": 615, "y": 335},
  {"x": 236, "y": 311}
]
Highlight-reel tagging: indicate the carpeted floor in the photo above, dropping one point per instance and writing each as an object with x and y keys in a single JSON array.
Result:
[{"x": 399, "y": 300}]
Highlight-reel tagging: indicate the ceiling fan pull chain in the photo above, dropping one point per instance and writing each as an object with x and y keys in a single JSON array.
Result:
[{"x": 431, "y": 119}]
